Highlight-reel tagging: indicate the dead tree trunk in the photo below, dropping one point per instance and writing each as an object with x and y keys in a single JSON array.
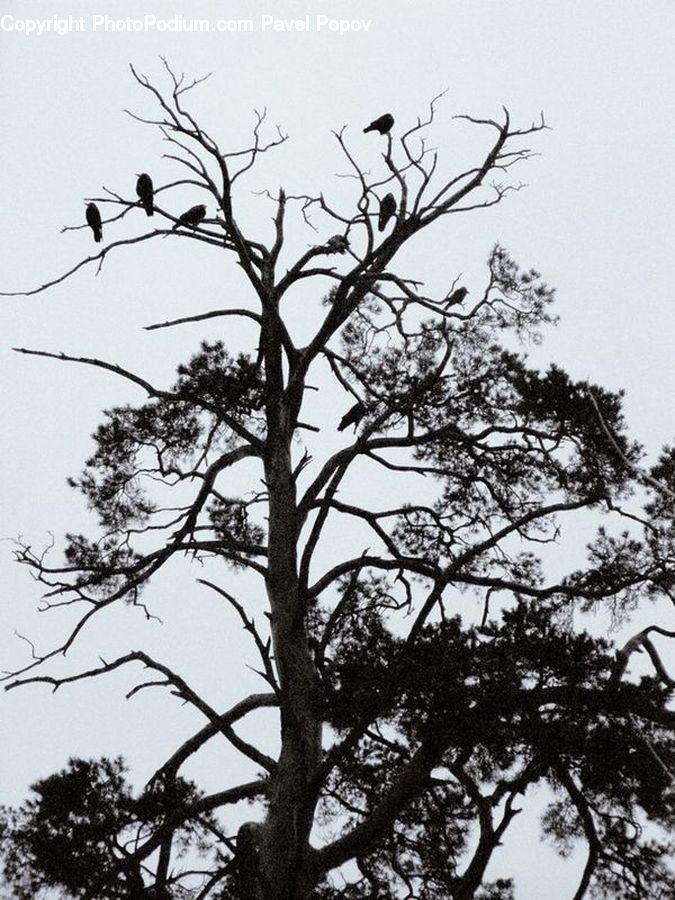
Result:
[{"x": 284, "y": 864}]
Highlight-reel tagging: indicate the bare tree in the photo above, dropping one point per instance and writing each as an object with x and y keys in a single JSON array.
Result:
[{"x": 437, "y": 725}]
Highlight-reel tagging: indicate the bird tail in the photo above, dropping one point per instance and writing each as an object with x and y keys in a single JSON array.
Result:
[
  {"x": 369, "y": 128},
  {"x": 149, "y": 210},
  {"x": 98, "y": 236},
  {"x": 342, "y": 426}
]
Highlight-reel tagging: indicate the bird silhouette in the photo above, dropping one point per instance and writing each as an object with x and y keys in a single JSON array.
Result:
[
  {"x": 387, "y": 210},
  {"x": 456, "y": 296},
  {"x": 192, "y": 217},
  {"x": 383, "y": 124},
  {"x": 337, "y": 244},
  {"x": 146, "y": 192},
  {"x": 352, "y": 417},
  {"x": 94, "y": 221}
]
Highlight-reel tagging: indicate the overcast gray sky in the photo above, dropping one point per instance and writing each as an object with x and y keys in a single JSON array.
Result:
[{"x": 594, "y": 219}]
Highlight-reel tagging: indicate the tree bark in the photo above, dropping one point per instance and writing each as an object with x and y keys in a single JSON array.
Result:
[{"x": 284, "y": 865}]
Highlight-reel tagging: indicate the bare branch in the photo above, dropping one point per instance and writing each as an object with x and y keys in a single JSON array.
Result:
[{"x": 201, "y": 317}]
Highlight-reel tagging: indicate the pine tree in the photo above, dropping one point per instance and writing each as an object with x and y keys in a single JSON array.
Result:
[{"x": 409, "y": 731}]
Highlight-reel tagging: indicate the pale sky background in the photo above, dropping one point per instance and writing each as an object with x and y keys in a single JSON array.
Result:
[{"x": 594, "y": 220}]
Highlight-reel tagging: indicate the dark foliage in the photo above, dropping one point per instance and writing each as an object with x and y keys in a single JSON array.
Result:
[{"x": 83, "y": 821}]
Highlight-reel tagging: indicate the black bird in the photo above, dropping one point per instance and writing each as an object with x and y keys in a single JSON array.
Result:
[
  {"x": 387, "y": 210},
  {"x": 192, "y": 217},
  {"x": 456, "y": 296},
  {"x": 352, "y": 417},
  {"x": 94, "y": 221},
  {"x": 337, "y": 244},
  {"x": 383, "y": 124},
  {"x": 146, "y": 192}
]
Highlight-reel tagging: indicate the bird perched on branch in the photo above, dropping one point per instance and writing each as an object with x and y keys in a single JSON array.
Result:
[
  {"x": 146, "y": 192},
  {"x": 352, "y": 417},
  {"x": 383, "y": 124},
  {"x": 337, "y": 244},
  {"x": 94, "y": 221},
  {"x": 456, "y": 296},
  {"x": 192, "y": 217},
  {"x": 387, "y": 210}
]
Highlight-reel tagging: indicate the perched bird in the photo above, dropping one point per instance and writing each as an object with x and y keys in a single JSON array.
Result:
[
  {"x": 383, "y": 124},
  {"x": 94, "y": 221},
  {"x": 387, "y": 210},
  {"x": 352, "y": 417},
  {"x": 337, "y": 244},
  {"x": 192, "y": 217},
  {"x": 456, "y": 297},
  {"x": 146, "y": 192}
]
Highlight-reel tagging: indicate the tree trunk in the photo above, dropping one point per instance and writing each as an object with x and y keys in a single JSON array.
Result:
[{"x": 284, "y": 837}]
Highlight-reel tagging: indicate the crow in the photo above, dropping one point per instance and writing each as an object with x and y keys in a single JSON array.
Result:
[
  {"x": 94, "y": 221},
  {"x": 145, "y": 192},
  {"x": 456, "y": 297},
  {"x": 191, "y": 218},
  {"x": 337, "y": 244},
  {"x": 352, "y": 417},
  {"x": 387, "y": 210},
  {"x": 383, "y": 124}
]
